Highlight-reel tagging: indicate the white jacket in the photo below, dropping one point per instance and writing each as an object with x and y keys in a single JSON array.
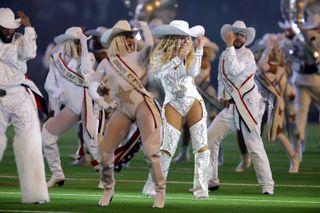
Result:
[
  {"x": 14, "y": 57},
  {"x": 239, "y": 64}
]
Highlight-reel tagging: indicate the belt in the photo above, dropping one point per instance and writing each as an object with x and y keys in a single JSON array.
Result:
[
  {"x": 11, "y": 90},
  {"x": 2, "y": 93}
]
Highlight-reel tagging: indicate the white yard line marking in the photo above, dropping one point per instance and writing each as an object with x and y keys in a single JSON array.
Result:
[
  {"x": 19, "y": 210},
  {"x": 213, "y": 198},
  {"x": 179, "y": 182}
]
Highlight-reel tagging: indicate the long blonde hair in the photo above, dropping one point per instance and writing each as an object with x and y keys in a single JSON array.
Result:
[
  {"x": 118, "y": 45},
  {"x": 69, "y": 48},
  {"x": 168, "y": 48}
]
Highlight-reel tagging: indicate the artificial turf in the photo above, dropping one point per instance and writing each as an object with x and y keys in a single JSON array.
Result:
[{"x": 238, "y": 192}]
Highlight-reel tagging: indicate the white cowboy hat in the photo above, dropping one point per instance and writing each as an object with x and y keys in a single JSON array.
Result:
[
  {"x": 284, "y": 25},
  {"x": 7, "y": 19},
  {"x": 96, "y": 32},
  {"x": 178, "y": 27},
  {"x": 313, "y": 22},
  {"x": 120, "y": 27},
  {"x": 239, "y": 26},
  {"x": 71, "y": 33}
]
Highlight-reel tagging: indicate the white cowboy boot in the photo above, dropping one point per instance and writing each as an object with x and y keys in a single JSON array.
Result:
[
  {"x": 91, "y": 144},
  {"x": 52, "y": 155},
  {"x": 201, "y": 170},
  {"x": 198, "y": 134},
  {"x": 107, "y": 178}
]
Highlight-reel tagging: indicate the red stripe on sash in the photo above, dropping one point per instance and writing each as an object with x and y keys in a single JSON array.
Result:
[
  {"x": 246, "y": 80},
  {"x": 127, "y": 66},
  {"x": 223, "y": 72},
  {"x": 154, "y": 118},
  {"x": 64, "y": 63}
]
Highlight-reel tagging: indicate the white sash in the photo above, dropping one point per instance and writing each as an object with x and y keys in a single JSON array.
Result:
[
  {"x": 276, "y": 114},
  {"x": 129, "y": 75},
  {"x": 67, "y": 73},
  {"x": 237, "y": 95},
  {"x": 77, "y": 79}
]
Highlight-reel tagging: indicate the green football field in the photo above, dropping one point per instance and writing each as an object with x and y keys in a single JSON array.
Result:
[{"x": 239, "y": 192}]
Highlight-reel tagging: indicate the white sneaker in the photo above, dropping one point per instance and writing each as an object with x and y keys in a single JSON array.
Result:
[
  {"x": 201, "y": 195},
  {"x": 267, "y": 193},
  {"x": 267, "y": 190},
  {"x": 41, "y": 202}
]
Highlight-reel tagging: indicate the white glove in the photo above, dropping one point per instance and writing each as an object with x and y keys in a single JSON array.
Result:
[{"x": 106, "y": 106}]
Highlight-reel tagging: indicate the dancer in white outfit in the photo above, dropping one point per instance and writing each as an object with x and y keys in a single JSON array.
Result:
[
  {"x": 176, "y": 63},
  {"x": 69, "y": 67},
  {"x": 18, "y": 107},
  {"x": 243, "y": 104},
  {"x": 124, "y": 67}
]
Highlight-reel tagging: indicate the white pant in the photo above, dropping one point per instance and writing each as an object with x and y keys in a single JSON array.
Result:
[
  {"x": 18, "y": 108},
  {"x": 224, "y": 124}
]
